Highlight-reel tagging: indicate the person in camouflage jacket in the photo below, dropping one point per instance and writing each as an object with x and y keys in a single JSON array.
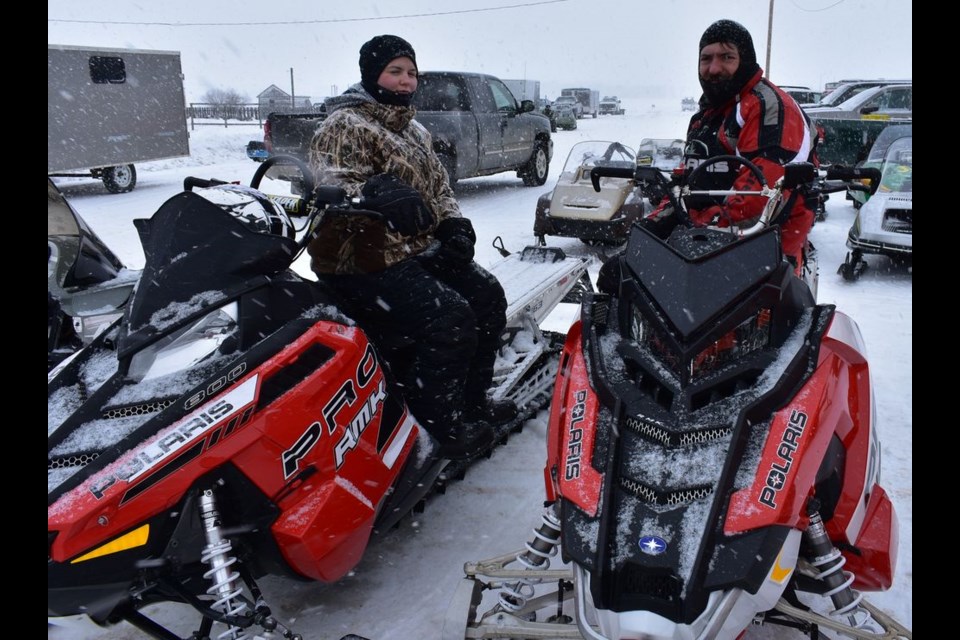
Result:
[{"x": 410, "y": 280}]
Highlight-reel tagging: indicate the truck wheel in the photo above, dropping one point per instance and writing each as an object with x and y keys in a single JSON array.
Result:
[
  {"x": 534, "y": 174},
  {"x": 120, "y": 179}
]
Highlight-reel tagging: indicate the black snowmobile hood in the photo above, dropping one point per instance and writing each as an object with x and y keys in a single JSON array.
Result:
[
  {"x": 197, "y": 257},
  {"x": 697, "y": 272}
]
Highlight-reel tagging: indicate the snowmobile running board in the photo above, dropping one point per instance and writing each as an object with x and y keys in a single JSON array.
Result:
[{"x": 534, "y": 281}]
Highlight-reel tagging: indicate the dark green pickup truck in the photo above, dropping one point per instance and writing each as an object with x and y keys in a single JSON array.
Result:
[{"x": 847, "y": 141}]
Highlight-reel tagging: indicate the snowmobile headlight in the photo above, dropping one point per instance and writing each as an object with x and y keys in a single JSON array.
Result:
[
  {"x": 750, "y": 335},
  {"x": 187, "y": 346}
]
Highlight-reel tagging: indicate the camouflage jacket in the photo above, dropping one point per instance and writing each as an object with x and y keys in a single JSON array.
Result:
[{"x": 360, "y": 138}]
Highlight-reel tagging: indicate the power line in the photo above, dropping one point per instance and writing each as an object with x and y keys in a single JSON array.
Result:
[
  {"x": 298, "y": 22},
  {"x": 817, "y": 10}
]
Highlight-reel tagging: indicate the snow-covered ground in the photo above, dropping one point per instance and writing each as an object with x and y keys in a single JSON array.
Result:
[{"x": 402, "y": 587}]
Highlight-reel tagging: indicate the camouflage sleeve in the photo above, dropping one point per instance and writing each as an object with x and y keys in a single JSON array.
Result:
[
  {"x": 335, "y": 156},
  {"x": 441, "y": 198}
]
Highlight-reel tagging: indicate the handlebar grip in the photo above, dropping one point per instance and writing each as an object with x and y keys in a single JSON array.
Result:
[
  {"x": 839, "y": 172},
  {"x": 190, "y": 182},
  {"x": 609, "y": 172}
]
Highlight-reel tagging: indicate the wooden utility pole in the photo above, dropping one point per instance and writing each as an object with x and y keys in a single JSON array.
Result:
[
  {"x": 769, "y": 38},
  {"x": 293, "y": 95}
]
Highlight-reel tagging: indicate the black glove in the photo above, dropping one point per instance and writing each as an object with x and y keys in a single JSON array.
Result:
[
  {"x": 456, "y": 238},
  {"x": 402, "y": 206}
]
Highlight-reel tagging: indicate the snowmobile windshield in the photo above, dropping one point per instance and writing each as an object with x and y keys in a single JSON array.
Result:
[
  {"x": 898, "y": 167},
  {"x": 197, "y": 257},
  {"x": 662, "y": 153},
  {"x": 586, "y": 155},
  {"x": 698, "y": 272},
  {"x": 183, "y": 348},
  {"x": 74, "y": 251}
]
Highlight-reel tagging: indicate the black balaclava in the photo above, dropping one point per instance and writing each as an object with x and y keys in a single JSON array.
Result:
[
  {"x": 728, "y": 31},
  {"x": 375, "y": 55}
]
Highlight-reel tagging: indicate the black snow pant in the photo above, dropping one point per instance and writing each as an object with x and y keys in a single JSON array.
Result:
[{"x": 438, "y": 328}]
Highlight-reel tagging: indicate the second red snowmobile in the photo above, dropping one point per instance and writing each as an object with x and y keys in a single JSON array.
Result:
[{"x": 712, "y": 457}]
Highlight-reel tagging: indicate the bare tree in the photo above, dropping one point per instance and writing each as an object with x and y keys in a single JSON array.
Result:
[{"x": 228, "y": 103}]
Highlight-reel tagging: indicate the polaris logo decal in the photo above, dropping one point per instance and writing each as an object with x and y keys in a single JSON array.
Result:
[
  {"x": 571, "y": 463},
  {"x": 777, "y": 474},
  {"x": 161, "y": 449},
  {"x": 653, "y": 545}
]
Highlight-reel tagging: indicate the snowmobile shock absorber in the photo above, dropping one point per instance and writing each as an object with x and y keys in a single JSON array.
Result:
[
  {"x": 546, "y": 539},
  {"x": 829, "y": 562},
  {"x": 225, "y": 588}
]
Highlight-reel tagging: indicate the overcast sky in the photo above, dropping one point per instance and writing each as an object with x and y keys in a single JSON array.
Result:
[{"x": 632, "y": 48}]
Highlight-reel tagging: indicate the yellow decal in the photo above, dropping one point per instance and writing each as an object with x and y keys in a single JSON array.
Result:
[{"x": 778, "y": 574}]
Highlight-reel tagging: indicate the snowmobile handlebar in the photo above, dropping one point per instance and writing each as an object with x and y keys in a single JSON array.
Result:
[{"x": 853, "y": 177}]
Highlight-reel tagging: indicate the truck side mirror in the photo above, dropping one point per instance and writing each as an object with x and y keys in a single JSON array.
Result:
[{"x": 527, "y": 106}]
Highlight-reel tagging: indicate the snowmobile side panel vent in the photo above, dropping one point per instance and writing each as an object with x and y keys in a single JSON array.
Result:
[
  {"x": 669, "y": 498},
  {"x": 75, "y": 460},
  {"x": 309, "y": 361},
  {"x": 141, "y": 409}
]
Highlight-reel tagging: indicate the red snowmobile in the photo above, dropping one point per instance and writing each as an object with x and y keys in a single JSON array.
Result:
[
  {"x": 235, "y": 422},
  {"x": 712, "y": 458}
]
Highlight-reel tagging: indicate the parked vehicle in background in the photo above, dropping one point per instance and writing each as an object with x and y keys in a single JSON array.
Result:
[
  {"x": 884, "y": 224},
  {"x": 110, "y": 108},
  {"x": 893, "y": 101},
  {"x": 688, "y": 104},
  {"x": 803, "y": 95},
  {"x": 565, "y": 116},
  {"x": 575, "y": 209},
  {"x": 588, "y": 98},
  {"x": 610, "y": 105},
  {"x": 830, "y": 86},
  {"x": 877, "y": 157},
  {"x": 87, "y": 285},
  {"x": 478, "y": 128},
  {"x": 846, "y": 141},
  {"x": 257, "y": 151},
  {"x": 847, "y": 89},
  {"x": 571, "y": 103}
]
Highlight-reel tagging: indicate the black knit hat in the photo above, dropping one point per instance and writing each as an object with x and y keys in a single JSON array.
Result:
[
  {"x": 376, "y": 54},
  {"x": 732, "y": 32},
  {"x": 719, "y": 92}
]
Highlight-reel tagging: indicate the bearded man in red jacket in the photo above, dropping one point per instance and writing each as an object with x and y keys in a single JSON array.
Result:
[{"x": 743, "y": 114}]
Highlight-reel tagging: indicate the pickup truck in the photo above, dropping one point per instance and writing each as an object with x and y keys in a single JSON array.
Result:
[
  {"x": 477, "y": 126},
  {"x": 846, "y": 141}
]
